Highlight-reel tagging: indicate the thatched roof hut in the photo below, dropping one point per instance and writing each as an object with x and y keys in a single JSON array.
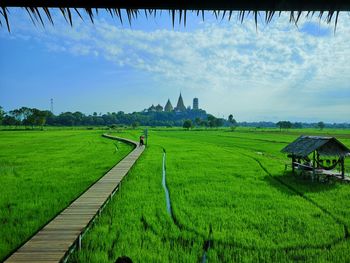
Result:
[
  {"x": 38, "y": 9},
  {"x": 325, "y": 146},
  {"x": 319, "y": 146}
]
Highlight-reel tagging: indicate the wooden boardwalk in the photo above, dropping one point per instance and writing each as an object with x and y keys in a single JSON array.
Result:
[{"x": 55, "y": 239}]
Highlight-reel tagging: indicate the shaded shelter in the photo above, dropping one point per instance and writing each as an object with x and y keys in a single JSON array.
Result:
[{"x": 320, "y": 147}]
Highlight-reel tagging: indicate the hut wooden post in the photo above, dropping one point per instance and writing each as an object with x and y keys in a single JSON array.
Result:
[
  {"x": 293, "y": 160},
  {"x": 313, "y": 165},
  {"x": 342, "y": 167},
  {"x": 317, "y": 164}
]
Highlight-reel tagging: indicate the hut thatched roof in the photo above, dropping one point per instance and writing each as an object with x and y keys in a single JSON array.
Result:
[
  {"x": 328, "y": 146},
  {"x": 39, "y": 9}
]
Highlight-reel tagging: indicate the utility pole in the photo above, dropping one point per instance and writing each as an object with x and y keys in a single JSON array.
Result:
[{"x": 51, "y": 108}]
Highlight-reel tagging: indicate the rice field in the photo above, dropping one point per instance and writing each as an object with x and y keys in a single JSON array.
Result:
[
  {"x": 228, "y": 189},
  {"x": 231, "y": 199},
  {"x": 41, "y": 172}
]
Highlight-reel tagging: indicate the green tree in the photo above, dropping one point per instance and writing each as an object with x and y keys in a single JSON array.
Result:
[
  {"x": 204, "y": 123},
  {"x": 321, "y": 125},
  {"x": 211, "y": 121},
  {"x": 284, "y": 125},
  {"x": 9, "y": 120},
  {"x": 34, "y": 117},
  {"x": 2, "y": 114},
  {"x": 233, "y": 122},
  {"x": 197, "y": 121},
  {"x": 187, "y": 124},
  {"x": 17, "y": 115},
  {"x": 40, "y": 117},
  {"x": 297, "y": 125},
  {"x": 219, "y": 122},
  {"x": 30, "y": 119},
  {"x": 135, "y": 124},
  {"x": 66, "y": 119},
  {"x": 26, "y": 115},
  {"x": 78, "y": 118}
]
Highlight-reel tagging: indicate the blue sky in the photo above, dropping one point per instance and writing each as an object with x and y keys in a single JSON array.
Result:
[{"x": 278, "y": 72}]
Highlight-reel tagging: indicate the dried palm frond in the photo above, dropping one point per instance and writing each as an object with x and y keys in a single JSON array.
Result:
[{"x": 39, "y": 8}]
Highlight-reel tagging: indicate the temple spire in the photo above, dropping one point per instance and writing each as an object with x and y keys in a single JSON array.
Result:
[
  {"x": 180, "y": 104},
  {"x": 168, "y": 107}
]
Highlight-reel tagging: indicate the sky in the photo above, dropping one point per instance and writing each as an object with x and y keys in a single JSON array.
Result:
[{"x": 278, "y": 71}]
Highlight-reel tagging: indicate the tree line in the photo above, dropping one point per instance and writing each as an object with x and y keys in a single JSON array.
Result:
[
  {"x": 297, "y": 125},
  {"x": 31, "y": 117},
  {"x": 24, "y": 116}
]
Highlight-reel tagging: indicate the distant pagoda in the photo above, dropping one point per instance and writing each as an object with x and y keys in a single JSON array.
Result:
[
  {"x": 180, "y": 104},
  {"x": 159, "y": 108},
  {"x": 179, "y": 109},
  {"x": 152, "y": 108},
  {"x": 168, "y": 107},
  {"x": 195, "y": 104}
]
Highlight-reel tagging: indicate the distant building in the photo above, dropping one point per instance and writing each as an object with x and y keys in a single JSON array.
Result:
[
  {"x": 195, "y": 104},
  {"x": 152, "y": 108},
  {"x": 159, "y": 108},
  {"x": 180, "y": 104},
  {"x": 168, "y": 107},
  {"x": 179, "y": 109}
]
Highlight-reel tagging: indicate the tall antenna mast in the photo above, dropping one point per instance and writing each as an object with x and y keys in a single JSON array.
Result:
[{"x": 51, "y": 108}]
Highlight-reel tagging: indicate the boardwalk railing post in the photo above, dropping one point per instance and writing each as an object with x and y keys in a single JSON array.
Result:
[{"x": 79, "y": 242}]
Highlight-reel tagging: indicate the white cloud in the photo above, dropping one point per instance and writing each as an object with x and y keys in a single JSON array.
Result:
[{"x": 278, "y": 70}]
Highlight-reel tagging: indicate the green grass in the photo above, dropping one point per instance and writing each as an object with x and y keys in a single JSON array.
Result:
[
  {"x": 137, "y": 223},
  {"x": 41, "y": 172},
  {"x": 232, "y": 182}
]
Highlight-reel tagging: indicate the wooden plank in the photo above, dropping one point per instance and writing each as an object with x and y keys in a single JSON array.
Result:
[{"x": 52, "y": 242}]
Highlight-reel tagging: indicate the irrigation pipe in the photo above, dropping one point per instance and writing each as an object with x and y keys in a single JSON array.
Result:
[
  {"x": 208, "y": 242},
  {"x": 167, "y": 196}
]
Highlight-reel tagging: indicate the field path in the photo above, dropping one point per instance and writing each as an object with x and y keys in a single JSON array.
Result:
[{"x": 56, "y": 238}]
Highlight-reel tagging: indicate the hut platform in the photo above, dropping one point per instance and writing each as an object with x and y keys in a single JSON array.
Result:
[
  {"x": 326, "y": 175},
  {"x": 334, "y": 174}
]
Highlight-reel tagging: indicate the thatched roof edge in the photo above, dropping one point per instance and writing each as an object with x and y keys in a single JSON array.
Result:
[
  {"x": 238, "y": 5},
  {"x": 304, "y": 145},
  {"x": 38, "y": 9}
]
